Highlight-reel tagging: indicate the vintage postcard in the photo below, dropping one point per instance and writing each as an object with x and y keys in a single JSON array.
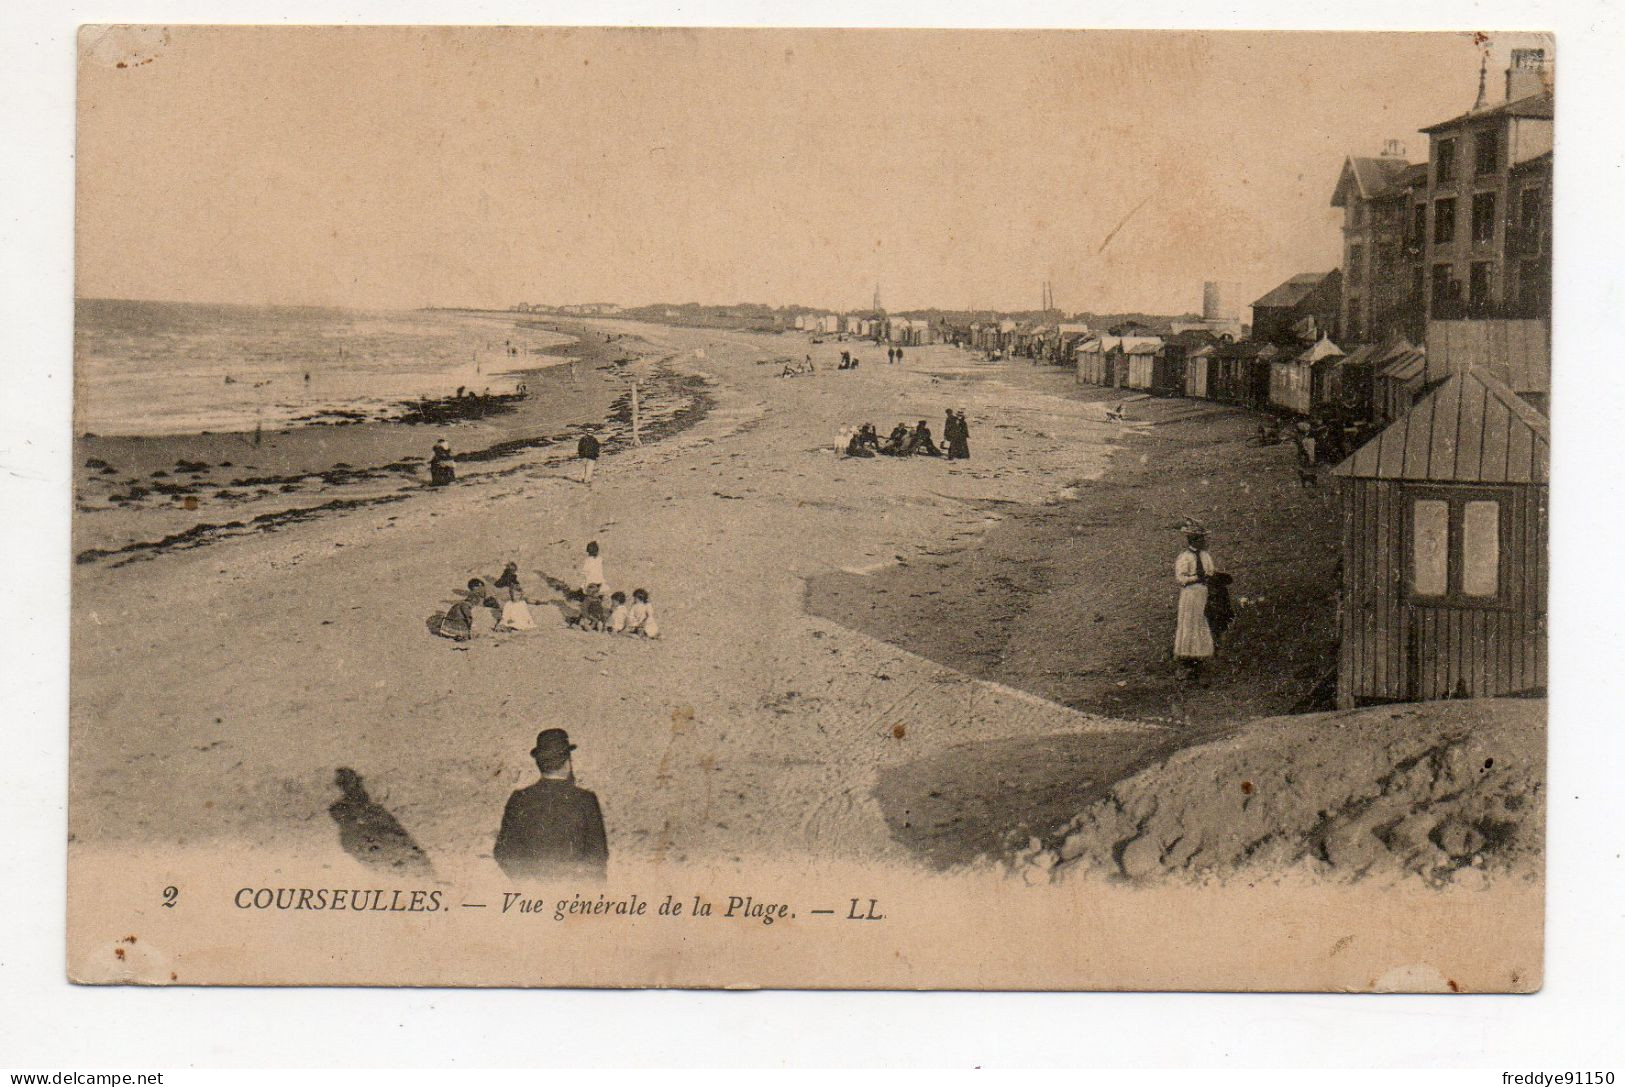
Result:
[{"x": 810, "y": 508}]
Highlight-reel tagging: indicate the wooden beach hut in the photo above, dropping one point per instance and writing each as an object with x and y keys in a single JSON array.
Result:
[
  {"x": 1199, "y": 365},
  {"x": 1241, "y": 373},
  {"x": 1091, "y": 359},
  {"x": 1444, "y": 549},
  {"x": 1141, "y": 355},
  {"x": 1398, "y": 383},
  {"x": 1299, "y": 382}
]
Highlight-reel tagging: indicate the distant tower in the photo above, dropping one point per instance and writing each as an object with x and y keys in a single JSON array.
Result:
[
  {"x": 1218, "y": 301},
  {"x": 876, "y": 306},
  {"x": 1483, "y": 74}
]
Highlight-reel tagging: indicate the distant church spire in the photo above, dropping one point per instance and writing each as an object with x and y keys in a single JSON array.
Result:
[
  {"x": 1483, "y": 74},
  {"x": 876, "y": 306}
]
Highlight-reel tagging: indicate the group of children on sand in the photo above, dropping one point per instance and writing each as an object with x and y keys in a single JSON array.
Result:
[{"x": 510, "y": 609}]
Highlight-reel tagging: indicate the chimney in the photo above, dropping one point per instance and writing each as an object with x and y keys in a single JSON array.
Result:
[
  {"x": 1527, "y": 74},
  {"x": 1393, "y": 149}
]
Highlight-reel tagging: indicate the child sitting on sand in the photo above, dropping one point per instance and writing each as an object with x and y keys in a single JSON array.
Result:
[
  {"x": 617, "y": 613},
  {"x": 640, "y": 617},
  {"x": 592, "y": 616},
  {"x": 515, "y": 610},
  {"x": 458, "y": 622}
]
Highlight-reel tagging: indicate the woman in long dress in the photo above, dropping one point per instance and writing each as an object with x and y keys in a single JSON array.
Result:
[{"x": 1193, "y": 638}]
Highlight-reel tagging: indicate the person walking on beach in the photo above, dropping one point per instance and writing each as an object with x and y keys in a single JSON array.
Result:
[
  {"x": 1193, "y": 638},
  {"x": 553, "y": 829},
  {"x": 587, "y": 450}
]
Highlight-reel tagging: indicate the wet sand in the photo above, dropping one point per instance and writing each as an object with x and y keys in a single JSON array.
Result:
[{"x": 136, "y": 495}]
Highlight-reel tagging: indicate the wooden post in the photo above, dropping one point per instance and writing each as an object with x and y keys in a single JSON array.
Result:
[{"x": 637, "y": 417}]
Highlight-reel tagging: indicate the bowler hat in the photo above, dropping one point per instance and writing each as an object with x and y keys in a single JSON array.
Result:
[{"x": 552, "y": 743}]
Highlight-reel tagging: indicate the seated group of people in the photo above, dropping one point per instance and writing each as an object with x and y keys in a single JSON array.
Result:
[
  {"x": 915, "y": 441},
  {"x": 792, "y": 369},
  {"x": 612, "y": 616},
  {"x": 509, "y": 608},
  {"x": 504, "y": 598},
  {"x": 849, "y": 361}
]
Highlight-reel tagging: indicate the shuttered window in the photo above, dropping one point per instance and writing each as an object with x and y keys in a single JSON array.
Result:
[
  {"x": 1430, "y": 547},
  {"x": 1481, "y": 549},
  {"x": 1458, "y": 552}
]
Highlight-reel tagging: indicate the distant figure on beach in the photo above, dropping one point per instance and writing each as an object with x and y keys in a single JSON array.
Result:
[
  {"x": 554, "y": 828},
  {"x": 441, "y": 469},
  {"x": 458, "y": 623},
  {"x": 587, "y": 450},
  {"x": 640, "y": 617},
  {"x": 811, "y": 369},
  {"x": 515, "y": 609},
  {"x": 899, "y": 354},
  {"x": 962, "y": 449},
  {"x": 897, "y": 442},
  {"x": 920, "y": 443},
  {"x": 865, "y": 442},
  {"x": 1193, "y": 638}
]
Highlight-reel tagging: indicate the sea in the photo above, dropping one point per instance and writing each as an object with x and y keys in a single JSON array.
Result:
[{"x": 152, "y": 368}]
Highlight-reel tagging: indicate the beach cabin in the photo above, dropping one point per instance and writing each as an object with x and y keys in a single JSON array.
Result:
[
  {"x": 1091, "y": 359},
  {"x": 1516, "y": 351},
  {"x": 1241, "y": 373},
  {"x": 1141, "y": 355},
  {"x": 1444, "y": 549},
  {"x": 1199, "y": 363},
  {"x": 1299, "y": 382},
  {"x": 1398, "y": 381},
  {"x": 1357, "y": 381}
]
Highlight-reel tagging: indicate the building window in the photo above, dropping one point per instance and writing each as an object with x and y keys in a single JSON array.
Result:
[
  {"x": 1457, "y": 548},
  {"x": 1444, "y": 162},
  {"x": 1478, "y": 284},
  {"x": 1356, "y": 261},
  {"x": 1529, "y": 219},
  {"x": 1356, "y": 327},
  {"x": 1486, "y": 153},
  {"x": 1441, "y": 286},
  {"x": 1484, "y": 217},
  {"x": 1419, "y": 226},
  {"x": 1444, "y": 221},
  {"x": 1356, "y": 214}
]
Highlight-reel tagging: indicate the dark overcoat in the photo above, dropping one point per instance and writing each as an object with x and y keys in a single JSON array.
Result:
[{"x": 550, "y": 829}]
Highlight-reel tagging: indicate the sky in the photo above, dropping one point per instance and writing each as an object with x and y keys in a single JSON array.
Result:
[{"x": 395, "y": 167}]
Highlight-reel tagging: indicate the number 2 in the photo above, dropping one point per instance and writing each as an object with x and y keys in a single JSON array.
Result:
[{"x": 170, "y": 895}]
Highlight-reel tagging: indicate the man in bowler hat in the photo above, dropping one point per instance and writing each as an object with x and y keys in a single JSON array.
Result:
[{"x": 554, "y": 828}]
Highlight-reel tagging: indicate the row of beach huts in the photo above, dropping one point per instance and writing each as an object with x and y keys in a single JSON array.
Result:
[{"x": 902, "y": 331}]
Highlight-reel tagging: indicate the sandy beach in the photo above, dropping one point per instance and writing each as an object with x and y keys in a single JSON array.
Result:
[
  {"x": 705, "y": 743},
  {"x": 911, "y": 661}
]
